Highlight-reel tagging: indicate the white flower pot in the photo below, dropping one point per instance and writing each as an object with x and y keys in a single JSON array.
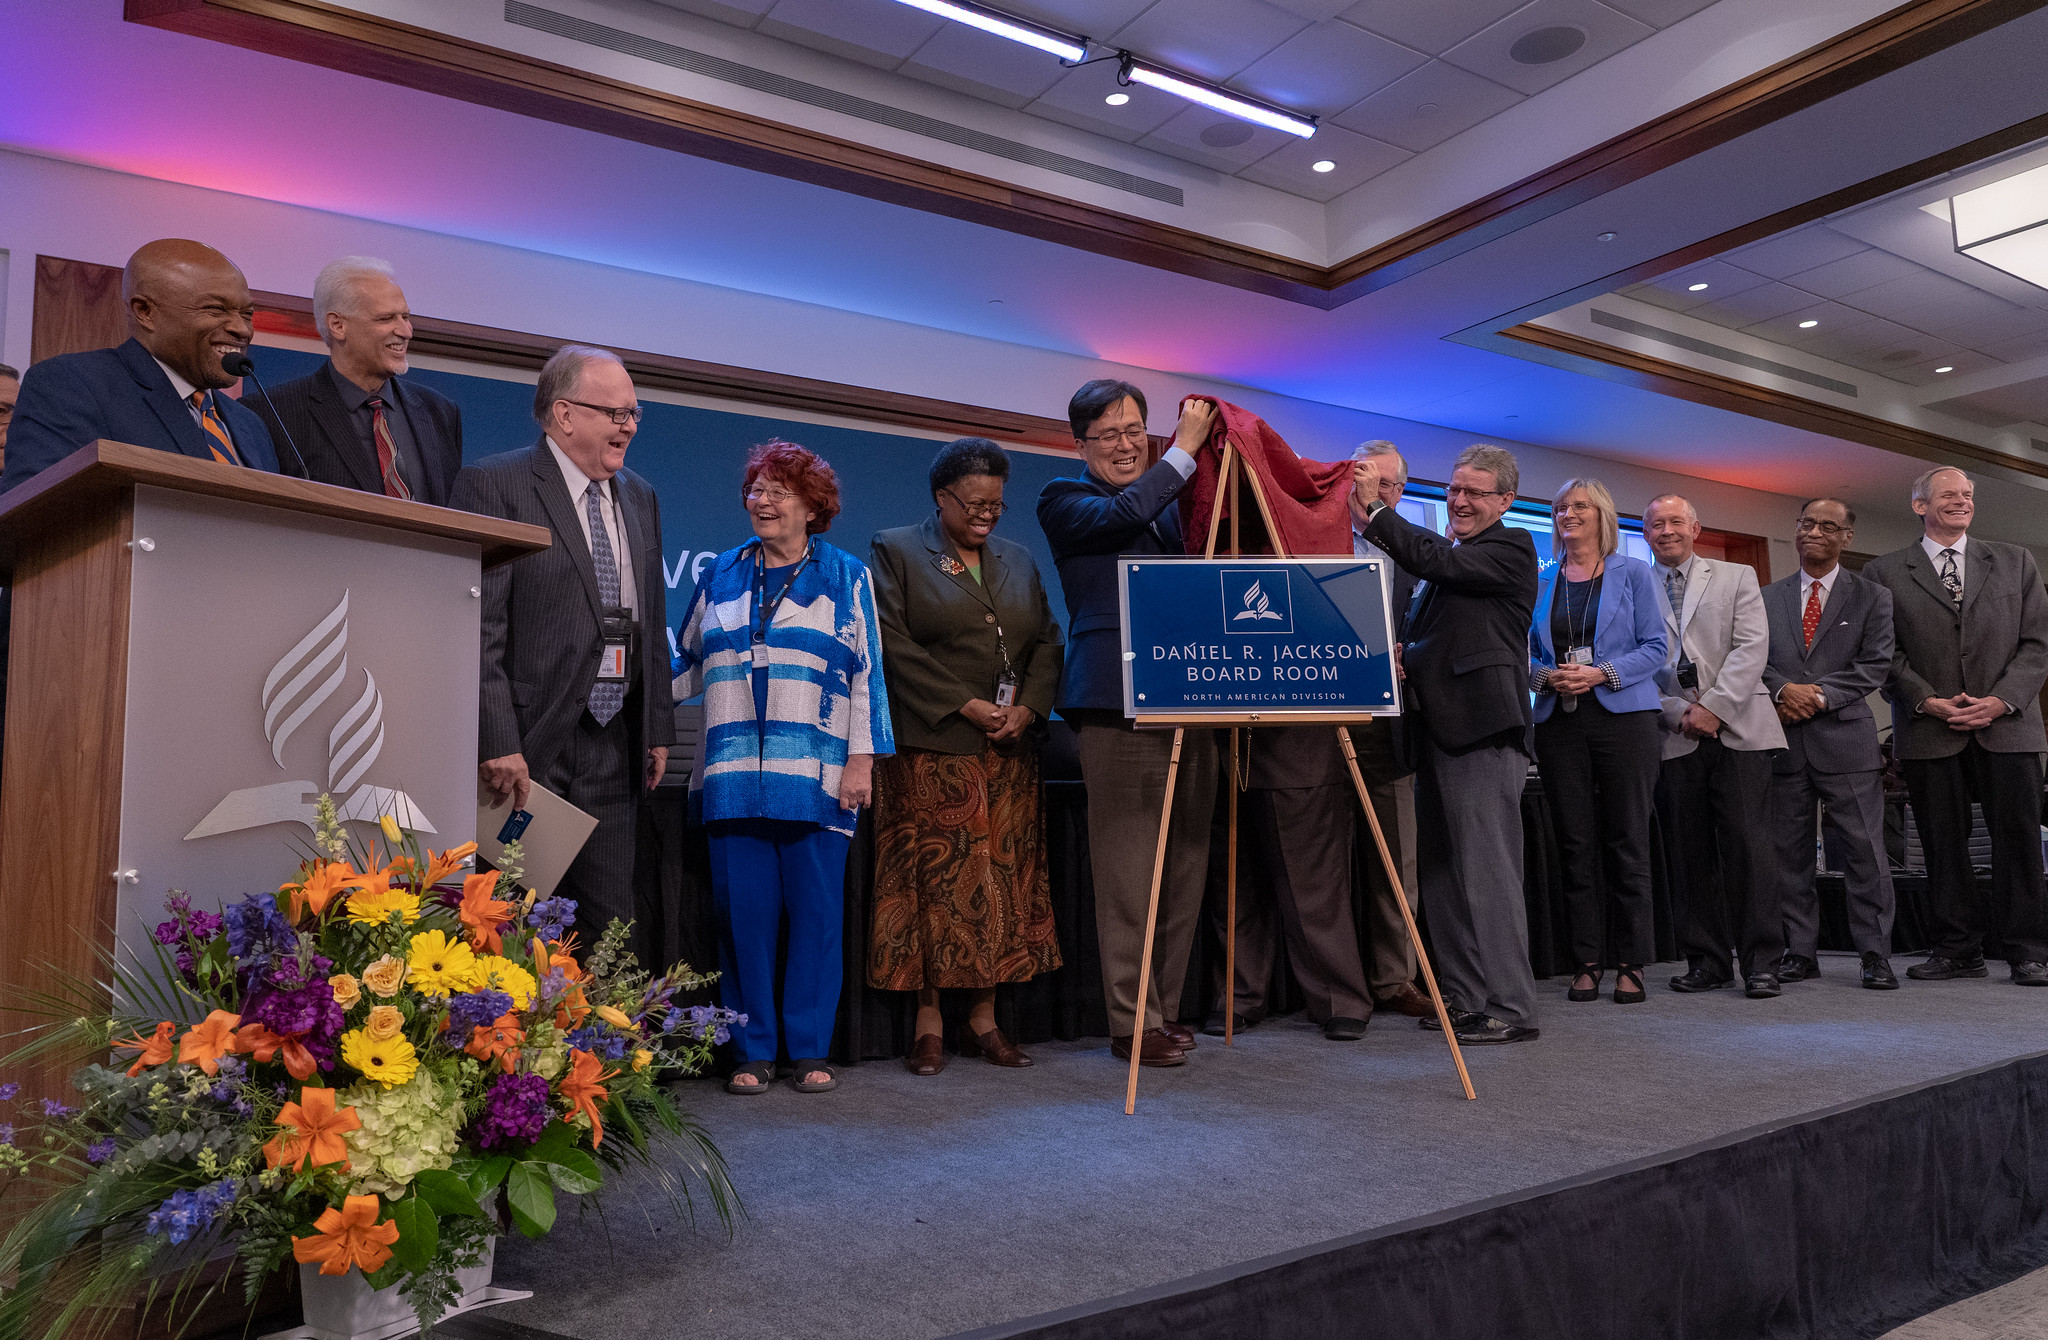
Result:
[{"x": 345, "y": 1307}]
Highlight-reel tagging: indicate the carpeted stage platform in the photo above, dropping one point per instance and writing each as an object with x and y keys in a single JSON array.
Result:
[{"x": 1832, "y": 1163}]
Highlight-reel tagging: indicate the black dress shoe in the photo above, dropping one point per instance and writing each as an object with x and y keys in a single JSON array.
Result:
[
  {"x": 1699, "y": 979},
  {"x": 1337, "y": 1028},
  {"x": 1488, "y": 1031},
  {"x": 1761, "y": 985},
  {"x": 2030, "y": 974},
  {"x": 1877, "y": 973},
  {"x": 1797, "y": 968},
  {"x": 1940, "y": 968},
  {"x": 1214, "y": 1027},
  {"x": 1459, "y": 1019}
]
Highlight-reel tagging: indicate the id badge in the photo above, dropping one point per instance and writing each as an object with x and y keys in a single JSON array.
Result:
[
  {"x": 760, "y": 653},
  {"x": 611, "y": 663},
  {"x": 1006, "y": 691},
  {"x": 1580, "y": 656}
]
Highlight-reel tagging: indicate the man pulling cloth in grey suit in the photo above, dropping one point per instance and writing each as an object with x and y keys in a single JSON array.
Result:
[
  {"x": 575, "y": 638},
  {"x": 1831, "y": 648},
  {"x": 1464, "y": 665},
  {"x": 1971, "y": 626},
  {"x": 1720, "y": 730}
]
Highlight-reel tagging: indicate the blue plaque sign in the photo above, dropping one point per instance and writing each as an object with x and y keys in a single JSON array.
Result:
[{"x": 1236, "y": 641}]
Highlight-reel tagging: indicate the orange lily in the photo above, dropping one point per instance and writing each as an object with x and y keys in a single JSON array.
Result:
[
  {"x": 209, "y": 1040},
  {"x": 315, "y": 1138},
  {"x": 155, "y": 1049},
  {"x": 482, "y": 915},
  {"x": 497, "y": 1041},
  {"x": 448, "y": 862},
  {"x": 257, "y": 1041},
  {"x": 583, "y": 1084},
  {"x": 349, "y": 1236},
  {"x": 321, "y": 883},
  {"x": 573, "y": 1006}
]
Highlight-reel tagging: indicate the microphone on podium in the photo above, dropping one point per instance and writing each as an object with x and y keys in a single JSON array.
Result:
[{"x": 239, "y": 364}]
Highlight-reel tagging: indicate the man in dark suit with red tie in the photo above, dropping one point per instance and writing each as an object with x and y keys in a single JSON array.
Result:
[
  {"x": 188, "y": 306},
  {"x": 355, "y": 421}
]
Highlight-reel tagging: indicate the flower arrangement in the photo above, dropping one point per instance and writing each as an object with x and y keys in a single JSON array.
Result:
[{"x": 373, "y": 1068}]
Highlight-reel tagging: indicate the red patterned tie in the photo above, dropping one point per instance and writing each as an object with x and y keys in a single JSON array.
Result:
[
  {"x": 217, "y": 440},
  {"x": 1810, "y": 623},
  {"x": 387, "y": 451}
]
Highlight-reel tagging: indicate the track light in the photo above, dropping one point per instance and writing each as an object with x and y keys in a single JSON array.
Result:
[
  {"x": 1230, "y": 104},
  {"x": 1074, "y": 49}
]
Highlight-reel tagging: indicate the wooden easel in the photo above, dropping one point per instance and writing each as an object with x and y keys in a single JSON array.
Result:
[{"x": 1227, "y": 480}]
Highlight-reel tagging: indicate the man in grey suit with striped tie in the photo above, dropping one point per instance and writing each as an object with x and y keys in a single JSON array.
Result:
[{"x": 575, "y": 638}]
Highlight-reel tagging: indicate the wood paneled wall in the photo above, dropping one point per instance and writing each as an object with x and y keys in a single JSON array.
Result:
[{"x": 77, "y": 307}]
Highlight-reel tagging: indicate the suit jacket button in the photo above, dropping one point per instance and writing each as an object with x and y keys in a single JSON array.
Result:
[
  {"x": 580, "y": 702},
  {"x": 988, "y": 618}
]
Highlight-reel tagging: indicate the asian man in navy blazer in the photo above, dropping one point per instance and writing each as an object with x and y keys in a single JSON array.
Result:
[
  {"x": 188, "y": 306},
  {"x": 1831, "y": 648}
]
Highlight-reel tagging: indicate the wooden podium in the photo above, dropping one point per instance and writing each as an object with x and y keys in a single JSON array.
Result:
[{"x": 148, "y": 593}]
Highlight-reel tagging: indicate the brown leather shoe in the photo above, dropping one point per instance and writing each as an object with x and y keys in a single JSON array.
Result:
[
  {"x": 927, "y": 1055},
  {"x": 1156, "y": 1049},
  {"x": 1407, "y": 1001},
  {"x": 1183, "y": 1036},
  {"x": 992, "y": 1047}
]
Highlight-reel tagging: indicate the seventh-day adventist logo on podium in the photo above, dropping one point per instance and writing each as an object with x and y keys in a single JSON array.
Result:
[{"x": 1235, "y": 638}]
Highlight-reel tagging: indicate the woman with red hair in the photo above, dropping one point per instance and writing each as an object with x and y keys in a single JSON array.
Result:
[{"x": 782, "y": 641}]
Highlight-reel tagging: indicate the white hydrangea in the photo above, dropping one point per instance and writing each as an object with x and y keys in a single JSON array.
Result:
[{"x": 406, "y": 1131}]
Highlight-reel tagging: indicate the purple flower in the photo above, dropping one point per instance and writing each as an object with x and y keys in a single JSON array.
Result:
[
  {"x": 257, "y": 931},
  {"x": 55, "y": 1110},
  {"x": 6, "y": 1132},
  {"x": 187, "y": 1213},
  {"x": 551, "y": 918},
  {"x": 475, "y": 1009},
  {"x": 99, "y": 1151},
  {"x": 599, "y": 1041},
  {"x": 294, "y": 1001},
  {"x": 515, "y": 1111},
  {"x": 8, "y": 1092}
]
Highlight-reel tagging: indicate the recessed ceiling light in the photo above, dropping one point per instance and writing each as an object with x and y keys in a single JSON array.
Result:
[
  {"x": 1117, "y": 99},
  {"x": 1808, "y": 325},
  {"x": 1945, "y": 369},
  {"x": 1605, "y": 237},
  {"x": 1323, "y": 165},
  {"x": 1694, "y": 288}
]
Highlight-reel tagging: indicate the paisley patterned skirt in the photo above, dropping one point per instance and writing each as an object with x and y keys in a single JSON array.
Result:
[{"x": 961, "y": 898}]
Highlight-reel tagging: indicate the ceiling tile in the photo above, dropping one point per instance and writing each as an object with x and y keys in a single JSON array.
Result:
[
  {"x": 1427, "y": 107},
  {"x": 1433, "y": 25},
  {"x": 1737, "y": 311},
  {"x": 2018, "y": 349},
  {"x": 1322, "y": 70},
  {"x": 1589, "y": 31},
  {"x": 1076, "y": 99},
  {"x": 1863, "y": 270},
  {"x": 743, "y": 12},
  {"x": 1929, "y": 301},
  {"x": 984, "y": 65},
  {"x": 1211, "y": 38},
  {"x": 1998, "y": 327},
  {"x": 2021, "y": 402},
  {"x": 1659, "y": 13},
  {"x": 1919, "y": 370},
  {"x": 1231, "y": 146},
  {"x": 1800, "y": 249},
  {"x": 1675, "y": 289},
  {"x": 1358, "y": 159},
  {"x": 1833, "y": 322},
  {"x": 1877, "y": 337},
  {"x": 1841, "y": 341},
  {"x": 1314, "y": 10},
  {"x": 1081, "y": 18},
  {"x": 873, "y": 32}
]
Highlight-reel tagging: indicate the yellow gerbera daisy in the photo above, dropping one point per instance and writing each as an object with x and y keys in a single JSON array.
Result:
[
  {"x": 439, "y": 966},
  {"x": 375, "y": 908},
  {"x": 390, "y": 1061},
  {"x": 502, "y": 974}
]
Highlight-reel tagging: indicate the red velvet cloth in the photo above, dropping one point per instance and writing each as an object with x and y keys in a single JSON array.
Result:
[{"x": 1310, "y": 500}]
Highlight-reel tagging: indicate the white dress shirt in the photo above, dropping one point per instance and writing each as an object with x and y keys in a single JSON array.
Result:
[
  {"x": 184, "y": 390},
  {"x": 1933, "y": 552},
  {"x": 1808, "y": 581},
  {"x": 614, "y": 523}
]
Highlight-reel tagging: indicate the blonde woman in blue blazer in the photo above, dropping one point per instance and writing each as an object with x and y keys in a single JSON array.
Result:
[{"x": 1595, "y": 642}]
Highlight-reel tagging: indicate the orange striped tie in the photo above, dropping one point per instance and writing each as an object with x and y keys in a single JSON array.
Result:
[{"x": 217, "y": 439}]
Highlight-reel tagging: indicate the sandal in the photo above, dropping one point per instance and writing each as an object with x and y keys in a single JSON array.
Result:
[
  {"x": 762, "y": 1071},
  {"x": 798, "y": 1069},
  {"x": 1628, "y": 972},
  {"x": 1592, "y": 970}
]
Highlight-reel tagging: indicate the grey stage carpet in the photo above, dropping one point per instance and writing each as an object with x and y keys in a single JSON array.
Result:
[{"x": 899, "y": 1208}]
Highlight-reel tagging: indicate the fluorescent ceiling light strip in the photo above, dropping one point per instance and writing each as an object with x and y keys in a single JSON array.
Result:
[
  {"x": 1227, "y": 103},
  {"x": 1002, "y": 25}
]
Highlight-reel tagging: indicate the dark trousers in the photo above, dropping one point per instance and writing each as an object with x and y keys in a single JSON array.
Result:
[
  {"x": 2008, "y": 786},
  {"x": 1712, "y": 806},
  {"x": 1600, "y": 778},
  {"x": 1304, "y": 836},
  {"x": 1468, "y": 822},
  {"x": 599, "y": 772},
  {"x": 1855, "y": 822}
]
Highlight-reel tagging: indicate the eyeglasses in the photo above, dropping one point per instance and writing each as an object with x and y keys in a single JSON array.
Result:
[
  {"x": 993, "y": 511},
  {"x": 758, "y": 493},
  {"x": 1457, "y": 491},
  {"x": 1135, "y": 436},
  {"x": 1807, "y": 525},
  {"x": 1568, "y": 509},
  {"x": 618, "y": 414}
]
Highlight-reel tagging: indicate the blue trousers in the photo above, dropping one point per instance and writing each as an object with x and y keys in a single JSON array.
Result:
[{"x": 761, "y": 871}]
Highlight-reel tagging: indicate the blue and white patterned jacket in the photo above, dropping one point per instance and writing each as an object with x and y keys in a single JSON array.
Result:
[{"x": 826, "y": 696}]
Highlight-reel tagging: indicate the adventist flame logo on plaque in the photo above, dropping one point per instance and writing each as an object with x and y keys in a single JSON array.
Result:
[
  {"x": 1227, "y": 640},
  {"x": 302, "y": 683}
]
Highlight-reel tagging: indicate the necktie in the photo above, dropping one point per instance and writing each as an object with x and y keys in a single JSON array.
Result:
[
  {"x": 606, "y": 696},
  {"x": 387, "y": 451},
  {"x": 1950, "y": 578},
  {"x": 1809, "y": 623},
  {"x": 217, "y": 440},
  {"x": 1674, "y": 590}
]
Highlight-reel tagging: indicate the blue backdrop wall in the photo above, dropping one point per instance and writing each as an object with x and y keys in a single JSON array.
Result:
[{"x": 694, "y": 459}]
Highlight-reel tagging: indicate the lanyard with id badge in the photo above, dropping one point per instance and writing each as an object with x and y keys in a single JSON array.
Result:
[
  {"x": 1578, "y": 637},
  {"x": 614, "y": 663},
  {"x": 765, "y": 608},
  {"x": 1006, "y": 680}
]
